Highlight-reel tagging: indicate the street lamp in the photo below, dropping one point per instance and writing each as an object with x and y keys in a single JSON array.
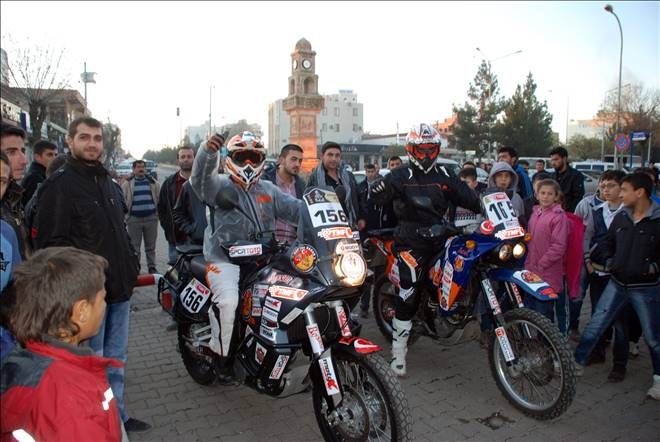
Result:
[{"x": 610, "y": 9}]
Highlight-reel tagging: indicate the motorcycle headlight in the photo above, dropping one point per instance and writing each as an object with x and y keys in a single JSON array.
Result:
[
  {"x": 505, "y": 252},
  {"x": 519, "y": 250},
  {"x": 350, "y": 268}
]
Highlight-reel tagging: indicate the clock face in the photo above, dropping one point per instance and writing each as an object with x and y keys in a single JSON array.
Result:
[
  {"x": 295, "y": 64},
  {"x": 306, "y": 64}
]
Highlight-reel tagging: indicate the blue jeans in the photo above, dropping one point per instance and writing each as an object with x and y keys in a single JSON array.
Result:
[
  {"x": 171, "y": 254},
  {"x": 645, "y": 302},
  {"x": 112, "y": 342}
]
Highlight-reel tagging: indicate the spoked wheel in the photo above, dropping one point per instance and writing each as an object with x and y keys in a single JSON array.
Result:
[
  {"x": 541, "y": 381},
  {"x": 373, "y": 407},
  {"x": 385, "y": 294},
  {"x": 198, "y": 360}
]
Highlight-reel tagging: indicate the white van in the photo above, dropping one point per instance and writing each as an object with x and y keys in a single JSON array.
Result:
[{"x": 594, "y": 166}]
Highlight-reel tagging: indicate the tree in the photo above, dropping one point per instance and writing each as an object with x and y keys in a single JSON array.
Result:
[
  {"x": 164, "y": 155},
  {"x": 526, "y": 122},
  {"x": 35, "y": 72},
  {"x": 111, "y": 144},
  {"x": 583, "y": 148},
  {"x": 242, "y": 125},
  {"x": 476, "y": 118}
]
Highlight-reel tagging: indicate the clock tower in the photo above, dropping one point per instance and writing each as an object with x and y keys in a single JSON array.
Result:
[{"x": 304, "y": 103}]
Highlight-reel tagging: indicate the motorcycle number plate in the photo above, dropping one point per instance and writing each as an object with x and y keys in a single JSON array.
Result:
[
  {"x": 500, "y": 212},
  {"x": 194, "y": 296},
  {"x": 327, "y": 214}
]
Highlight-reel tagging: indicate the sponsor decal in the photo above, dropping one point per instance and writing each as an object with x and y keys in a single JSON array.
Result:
[
  {"x": 347, "y": 247},
  {"x": 443, "y": 300},
  {"x": 263, "y": 198},
  {"x": 505, "y": 345},
  {"x": 278, "y": 369},
  {"x": 492, "y": 299},
  {"x": 282, "y": 292},
  {"x": 436, "y": 275},
  {"x": 500, "y": 196},
  {"x": 549, "y": 292},
  {"x": 447, "y": 278},
  {"x": 331, "y": 233},
  {"x": 279, "y": 277},
  {"x": 329, "y": 377},
  {"x": 343, "y": 321},
  {"x": 273, "y": 304},
  {"x": 458, "y": 264},
  {"x": 248, "y": 250},
  {"x": 364, "y": 346},
  {"x": 267, "y": 332},
  {"x": 530, "y": 277},
  {"x": 393, "y": 276},
  {"x": 260, "y": 353},
  {"x": 356, "y": 235},
  {"x": 516, "y": 292},
  {"x": 510, "y": 233},
  {"x": 304, "y": 258},
  {"x": 408, "y": 258},
  {"x": 487, "y": 227},
  {"x": 256, "y": 311},
  {"x": 318, "y": 196},
  {"x": 269, "y": 314},
  {"x": 293, "y": 314},
  {"x": 315, "y": 338},
  {"x": 260, "y": 290}
]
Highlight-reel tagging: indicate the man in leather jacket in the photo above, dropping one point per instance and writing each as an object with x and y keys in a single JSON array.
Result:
[
  {"x": 404, "y": 185},
  {"x": 259, "y": 204}
]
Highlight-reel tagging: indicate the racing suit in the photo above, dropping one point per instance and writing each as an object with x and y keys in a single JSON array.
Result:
[{"x": 263, "y": 202}]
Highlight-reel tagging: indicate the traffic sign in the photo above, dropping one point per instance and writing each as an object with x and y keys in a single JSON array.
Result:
[
  {"x": 638, "y": 136},
  {"x": 622, "y": 141}
]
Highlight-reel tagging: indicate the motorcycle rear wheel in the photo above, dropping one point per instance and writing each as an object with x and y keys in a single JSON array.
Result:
[
  {"x": 544, "y": 365},
  {"x": 373, "y": 407},
  {"x": 198, "y": 363}
]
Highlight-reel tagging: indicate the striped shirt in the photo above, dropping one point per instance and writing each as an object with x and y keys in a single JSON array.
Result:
[{"x": 143, "y": 202}]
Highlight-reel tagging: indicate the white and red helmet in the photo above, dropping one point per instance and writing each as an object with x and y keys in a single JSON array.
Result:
[
  {"x": 245, "y": 159},
  {"x": 423, "y": 146}
]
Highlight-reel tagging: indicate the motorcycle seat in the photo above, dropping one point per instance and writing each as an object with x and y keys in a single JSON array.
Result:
[
  {"x": 198, "y": 268},
  {"x": 189, "y": 249},
  {"x": 388, "y": 232}
]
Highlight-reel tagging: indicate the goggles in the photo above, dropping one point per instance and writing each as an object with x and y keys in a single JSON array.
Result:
[{"x": 243, "y": 157}]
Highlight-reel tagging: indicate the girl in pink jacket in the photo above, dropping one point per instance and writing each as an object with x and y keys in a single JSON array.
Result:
[{"x": 549, "y": 227}]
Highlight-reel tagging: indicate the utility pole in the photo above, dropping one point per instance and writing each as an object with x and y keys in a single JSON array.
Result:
[{"x": 210, "y": 108}]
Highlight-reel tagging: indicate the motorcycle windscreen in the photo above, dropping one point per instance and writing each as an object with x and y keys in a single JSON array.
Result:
[
  {"x": 530, "y": 282},
  {"x": 501, "y": 215},
  {"x": 325, "y": 226}
]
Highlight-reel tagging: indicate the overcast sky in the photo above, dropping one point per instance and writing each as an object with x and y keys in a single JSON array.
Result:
[{"x": 408, "y": 62}]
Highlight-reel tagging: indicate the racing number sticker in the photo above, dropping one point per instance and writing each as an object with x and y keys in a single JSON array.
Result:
[
  {"x": 194, "y": 296},
  {"x": 327, "y": 214}
]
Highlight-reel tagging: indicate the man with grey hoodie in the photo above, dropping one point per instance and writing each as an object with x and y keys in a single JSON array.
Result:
[{"x": 503, "y": 178}]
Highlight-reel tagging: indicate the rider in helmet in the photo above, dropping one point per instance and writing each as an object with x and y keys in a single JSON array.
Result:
[
  {"x": 262, "y": 200},
  {"x": 420, "y": 178}
]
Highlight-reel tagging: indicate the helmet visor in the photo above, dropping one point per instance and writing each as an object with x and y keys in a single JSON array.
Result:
[{"x": 243, "y": 157}]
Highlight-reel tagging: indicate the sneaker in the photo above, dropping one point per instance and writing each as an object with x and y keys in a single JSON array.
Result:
[
  {"x": 654, "y": 391},
  {"x": 579, "y": 370},
  {"x": 136, "y": 426},
  {"x": 617, "y": 374},
  {"x": 634, "y": 350}
]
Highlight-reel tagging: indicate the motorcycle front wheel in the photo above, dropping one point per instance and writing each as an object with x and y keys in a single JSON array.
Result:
[
  {"x": 196, "y": 359},
  {"x": 541, "y": 381},
  {"x": 373, "y": 407}
]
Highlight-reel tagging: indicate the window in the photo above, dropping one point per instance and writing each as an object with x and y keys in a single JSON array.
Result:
[
  {"x": 355, "y": 111},
  {"x": 336, "y": 112},
  {"x": 337, "y": 127},
  {"x": 324, "y": 127},
  {"x": 355, "y": 127}
]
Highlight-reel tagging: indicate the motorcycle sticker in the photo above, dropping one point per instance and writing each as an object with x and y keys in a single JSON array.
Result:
[
  {"x": 343, "y": 321},
  {"x": 304, "y": 258},
  {"x": 269, "y": 314},
  {"x": 492, "y": 299},
  {"x": 530, "y": 277},
  {"x": 393, "y": 276},
  {"x": 194, "y": 296},
  {"x": 247, "y": 250},
  {"x": 283, "y": 292},
  {"x": 267, "y": 332},
  {"x": 280, "y": 277},
  {"x": 361, "y": 345},
  {"x": 256, "y": 311},
  {"x": 505, "y": 345},
  {"x": 278, "y": 369},
  {"x": 332, "y": 233},
  {"x": 329, "y": 376},
  {"x": 327, "y": 214},
  {"x": 318, "y": 196},
  {"x": 447, "y": 278},
  {"x": 458, "y": 264},
  {"x": 260, "y": 290},
  {"x": 273, "y": 304},
  {"x": 260, "y": 353},
  {"x": 344, "y": 247},
  {"x": 293, "y": 314},
  {"x": 513, "y": 232},
  {"x": 315, "y": 338}
]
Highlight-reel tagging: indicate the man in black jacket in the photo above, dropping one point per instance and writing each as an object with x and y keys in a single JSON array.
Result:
[
  {"x": 189, "y": 215},
  {"x": 421, "y": 178},
  {"x": 12, "y": 144},
  {"x": 169, "y": 192},
  {"x": 631, "y": 250},
  {"x": 44, "y": 153},
  {"x": 570, "y": 181},
  {"x": 79, "y": 206}
]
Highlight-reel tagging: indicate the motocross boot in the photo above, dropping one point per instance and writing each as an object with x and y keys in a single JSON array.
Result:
[{"x": 400, "y": 333}]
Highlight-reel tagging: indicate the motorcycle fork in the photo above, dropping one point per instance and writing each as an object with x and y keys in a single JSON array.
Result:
[
  {"x": 500, "y": 331},
  {"x": 515, "y": 298},
  {"x": 323, "y": 356}
]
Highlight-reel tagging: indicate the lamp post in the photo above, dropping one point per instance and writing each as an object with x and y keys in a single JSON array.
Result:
[
  {"x": 490, "y": 86},
  {"x": 87, "y": 77},
  {"x": 610, "y": 9}
]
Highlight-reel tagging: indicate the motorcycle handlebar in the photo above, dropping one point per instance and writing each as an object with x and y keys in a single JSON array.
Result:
[{"x": 438, "y": 231}]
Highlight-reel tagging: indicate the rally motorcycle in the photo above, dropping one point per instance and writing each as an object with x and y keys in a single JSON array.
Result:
[
  {"x": 478, "y": 271},
  {"x": 293, "y": 330}
]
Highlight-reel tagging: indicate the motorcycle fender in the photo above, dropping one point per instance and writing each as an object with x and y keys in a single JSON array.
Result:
[
  {"x": 358, "y": 345},
  {"x": 530, "y": 282}
]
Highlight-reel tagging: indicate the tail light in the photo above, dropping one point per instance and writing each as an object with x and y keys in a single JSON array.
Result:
[{"x": 167, "y": 300}]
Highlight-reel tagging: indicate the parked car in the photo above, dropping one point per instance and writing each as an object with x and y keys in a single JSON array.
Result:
[
  {"x": 124, "y": 169},
  {"x": 151, "y": 168}
]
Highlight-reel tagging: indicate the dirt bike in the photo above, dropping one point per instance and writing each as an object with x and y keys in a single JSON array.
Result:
[
  {"x": 293, "y": 330},
  {"x": 478, "y": 270}
]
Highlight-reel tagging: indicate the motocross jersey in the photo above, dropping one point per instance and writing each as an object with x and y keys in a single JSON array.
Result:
[
  {"x": 406, "y": 182},
  {"x": 263, "y": 201}
]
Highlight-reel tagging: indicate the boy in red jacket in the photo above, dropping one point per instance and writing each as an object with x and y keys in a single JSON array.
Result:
[{"x": 52, "y": 389}]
